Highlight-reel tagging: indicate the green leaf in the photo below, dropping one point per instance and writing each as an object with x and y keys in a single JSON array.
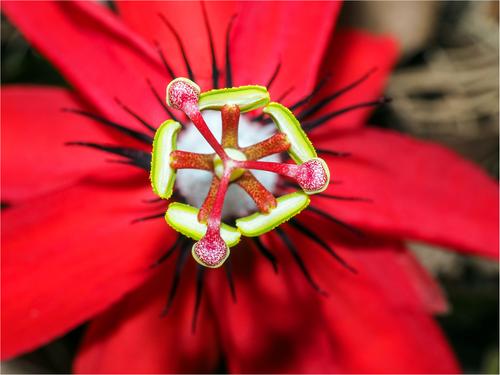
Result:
[
  {"x": 301, "y": 148},
  {"x": 247, "y": 98},
  {"x": 184, "y": 219},
  {"x": 258, "y": 223},
  {"x": 162, "y": 175}
]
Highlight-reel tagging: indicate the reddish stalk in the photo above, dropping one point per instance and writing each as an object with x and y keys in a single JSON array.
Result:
[
  {"x": 184, "y": 160},
  {"x": 230, "y": 120},
  {"x": 195, "y": 115},
  {"x": 214, "y": 218},
  {"x": 183, "y": 94},
  {"x": 284, "y": 169},
  {"x": 211, "y": 249},
  {"x": 311, "y": 175},
  {"x": 275, "y": 144}
]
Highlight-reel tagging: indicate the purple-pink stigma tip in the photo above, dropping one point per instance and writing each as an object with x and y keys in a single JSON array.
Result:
[
  {"x": 313, "y": 176},
  {"x": 211, "y": 250},
  {"x": 182, "y": 91}
]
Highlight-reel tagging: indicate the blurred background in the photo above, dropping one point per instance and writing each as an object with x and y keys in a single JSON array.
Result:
[{"x": 445, "y": 88}]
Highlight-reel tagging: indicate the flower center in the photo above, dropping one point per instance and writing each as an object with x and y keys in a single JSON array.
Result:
[
  {"x": 220, "y": 165},
  {"x": 231, "y": 163},
  {"x": 194, "y": 184}
]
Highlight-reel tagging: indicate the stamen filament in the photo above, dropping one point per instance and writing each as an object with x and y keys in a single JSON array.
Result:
[
  {"x": 230, "y": 120},
  {"x": 208, "y": 204},
  {"x": 183, "y": 94},
  {"x": 263, "y": 199},
  {"x": 191, "y": 160},
  {"x": 284, "y": 169},
  {"x": 211, "y": 250},
  {"x": 312, "y": 176},
  {"x": 214, "y": 218},
  {"x": 275, "y": 144},
  {"x": 195, "y": 116}
]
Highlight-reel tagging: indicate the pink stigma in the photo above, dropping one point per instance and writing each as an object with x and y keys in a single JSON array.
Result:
[
  {"x": 182, "y": 92},
  {"x": 312, "y": 176},
  {"x": 211, "y": 250}
]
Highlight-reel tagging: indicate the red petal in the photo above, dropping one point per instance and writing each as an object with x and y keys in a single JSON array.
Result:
[
  {"x": 187, "y": 19},
  {"x": 419, "y": 190},
  {"x": 281, "y": 325},
  {"x": 264, "y": 33},
  {"x": 274, "y": 327},
  {"x": 96, "y": 53},
  {"x": 394, "y": 273},
  {"x": 35, "y": 159},
  {"x": 373, "y": 322},
  {"x": 133, "y": 329},
  {"x": 70, "y": 255},
  {"x": 295, "y": 33},
  {"x": 352, "y": 54}
]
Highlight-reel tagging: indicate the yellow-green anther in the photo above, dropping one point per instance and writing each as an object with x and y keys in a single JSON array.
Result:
[
  {"x": 258, "y": 223},
  {"x": 301, "y": 148},
  {"x": 184, "y": 219},
  {"x": 162, "y": 174},
  {"x": 247, "y": 98}
]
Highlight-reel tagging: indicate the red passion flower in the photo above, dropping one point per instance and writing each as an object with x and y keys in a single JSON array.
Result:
[{"x": 330, "y": 289}]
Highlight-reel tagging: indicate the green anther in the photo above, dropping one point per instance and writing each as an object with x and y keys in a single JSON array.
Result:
[
  {"x": 247, "y": 98},
  {"x": 301, "y": 148},
  {"x": 184, "y": 219},
  {"x": 288, "y": 206},
  {"x": 162, "y": 175}
]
